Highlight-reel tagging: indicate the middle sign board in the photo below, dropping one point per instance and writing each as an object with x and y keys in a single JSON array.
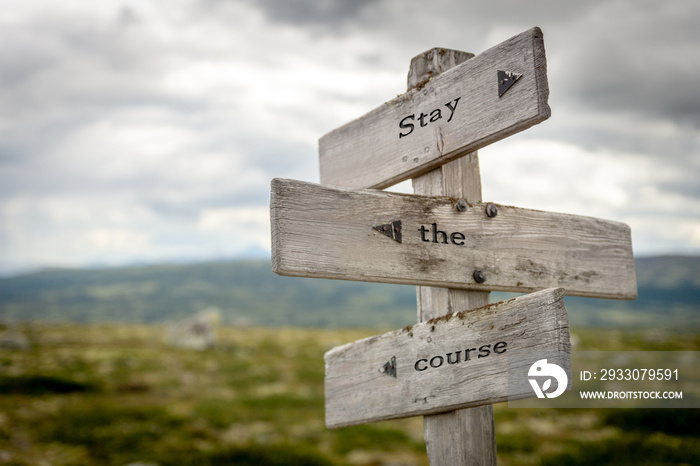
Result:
[{"x": 366, "y": 235}]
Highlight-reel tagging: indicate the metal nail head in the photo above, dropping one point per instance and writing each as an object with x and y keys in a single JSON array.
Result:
[
  {"x": 462, "y": 205},
  {"x": 491, "y": 210},
  {"x": 479, "y": 276}
]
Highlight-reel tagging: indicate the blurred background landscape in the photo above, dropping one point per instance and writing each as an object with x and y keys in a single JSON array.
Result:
[
  {"x": 248, "y": 293},
  {"x": 137, "y": 144},
  {"x": 90, "y": 373}
]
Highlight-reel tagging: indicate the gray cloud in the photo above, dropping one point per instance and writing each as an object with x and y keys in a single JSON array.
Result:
[
  {"x": 122, "y": 122},
  {"x": 643, "y": 62},
  {"x": 329, "y": 13}
]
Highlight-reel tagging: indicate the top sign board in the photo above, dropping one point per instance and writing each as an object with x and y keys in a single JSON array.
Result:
[{"x": 496, "y": 94}]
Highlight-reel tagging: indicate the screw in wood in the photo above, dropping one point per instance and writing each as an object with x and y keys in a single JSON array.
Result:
[
  {"x": 462, "y": 205},
  {"x": 491, "y": 210},
  {"x": 479, "y": 276}
]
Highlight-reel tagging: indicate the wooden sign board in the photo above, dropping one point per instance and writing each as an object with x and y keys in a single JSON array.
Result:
[
  {"x": 367, "y": 235},
  {"x": 500, "y": 92},
  {"x": 452, "y": 362}
]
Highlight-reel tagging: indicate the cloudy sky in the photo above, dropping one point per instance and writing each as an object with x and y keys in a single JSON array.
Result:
[{"x": 145, "y": 131}]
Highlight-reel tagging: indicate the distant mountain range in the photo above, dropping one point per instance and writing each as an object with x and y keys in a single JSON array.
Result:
[{"x": 248, "y": 293}]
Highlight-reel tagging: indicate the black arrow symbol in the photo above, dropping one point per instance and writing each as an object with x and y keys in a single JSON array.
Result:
[
  {"x": 389, "y": 368},
  {"x": 392, "y": 230},
  {"x": 505, "y": 80}
]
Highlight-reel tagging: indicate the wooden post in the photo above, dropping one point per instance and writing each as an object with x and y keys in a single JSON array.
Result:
[
  {"x": 340, "y": 232},
  {"x": 467, "y": 436}
]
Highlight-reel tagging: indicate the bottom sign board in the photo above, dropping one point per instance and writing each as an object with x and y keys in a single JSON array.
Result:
[{"x": 452, "y": 362}]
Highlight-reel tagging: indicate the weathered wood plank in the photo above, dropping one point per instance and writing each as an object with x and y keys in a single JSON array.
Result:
[
  {"x": 431, "y": 63},
  {"x": 466, "y": 436},
  {"x": 462, "y": 112},
  {"x": 457, "y": 179},
  {"x": 324, "y": 232},
  {"x": 462, "y": 437},
  {"x": 455, "y": 361}
]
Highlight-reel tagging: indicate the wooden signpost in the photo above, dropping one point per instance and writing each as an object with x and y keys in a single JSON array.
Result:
[{"x": 452, "y": 367}]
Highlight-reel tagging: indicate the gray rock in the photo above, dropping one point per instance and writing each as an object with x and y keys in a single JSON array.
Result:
[
  {"x": 197, "y": 332},
  {"x": 13, "y": 339}
]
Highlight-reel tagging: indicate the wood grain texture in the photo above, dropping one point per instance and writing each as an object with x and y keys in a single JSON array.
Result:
[
  {"x": 324, "y": 232},
  {"x": 466, "y": 436},
  {"x": 430, "y": 375},
  {"x": 368, "y": 152},
  {"x": 462, "y": 437},
  {"x": 433, "y": 62}
]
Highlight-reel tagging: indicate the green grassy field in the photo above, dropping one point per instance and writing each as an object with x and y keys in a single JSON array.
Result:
[
  {"x": 117, "y": 394},
  {"x": 249, "y": 293}
]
